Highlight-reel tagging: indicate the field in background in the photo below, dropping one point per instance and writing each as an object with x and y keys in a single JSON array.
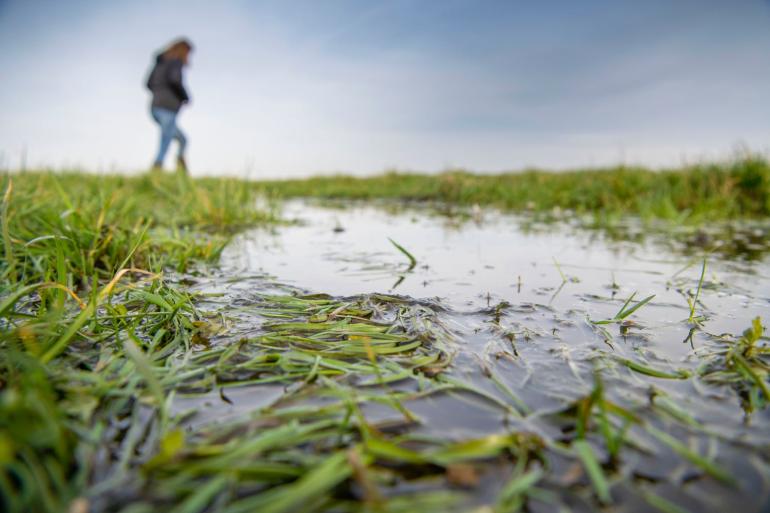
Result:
[{"x": 700, "y": 193}]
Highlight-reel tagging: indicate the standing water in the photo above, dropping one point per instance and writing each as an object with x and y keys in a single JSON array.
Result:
[{"x": 605, "y": 363}]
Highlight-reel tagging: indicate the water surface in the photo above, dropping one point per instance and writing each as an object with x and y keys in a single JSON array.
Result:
[{"x": 516, "y": 299}]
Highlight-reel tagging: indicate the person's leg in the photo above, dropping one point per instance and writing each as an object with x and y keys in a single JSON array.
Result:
[
  {"x": 166, "y": 119},
  {"x": 182, "y": 139}
]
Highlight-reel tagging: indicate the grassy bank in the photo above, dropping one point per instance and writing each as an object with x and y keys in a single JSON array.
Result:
[
  {"x": 694, "y": 194},
  {"x": 81, "y": 288},
  {"x": 73, "y": 227}
]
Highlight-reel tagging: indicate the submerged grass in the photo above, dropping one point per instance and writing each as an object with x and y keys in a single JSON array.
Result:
[
  {"x": 98, "y": 423},
  {"x": 744, "y": 364}
]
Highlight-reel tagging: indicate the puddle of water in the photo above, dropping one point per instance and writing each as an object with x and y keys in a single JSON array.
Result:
[
  {"x": 480, "y": 263},
  {"x": 222, "y": 406},
  {"x": 517, "y": 303}
]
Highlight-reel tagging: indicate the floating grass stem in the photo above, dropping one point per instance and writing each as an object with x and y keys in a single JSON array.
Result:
[
  {"x": 407, "y": 254},
  {"x": 650, "y": 371}
]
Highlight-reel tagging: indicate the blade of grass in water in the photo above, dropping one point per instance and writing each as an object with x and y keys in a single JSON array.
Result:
[
  {"x": 593, "y": 469},
  {"x": 650, "y": 371},
  {"x": 625, "y": 310},
  {"x": 558, "y": 268},
  {"x": 662, "y": 504},
  {"x": 485, "y": 447},
  {"x": 708, "y": 466},
  {"x": 402, "y": 249},
  {"x": 694, "y": 301},
  {"x": 203, "y": 496},
  {"x": 145, "y": 369},
  {"x": 519, "y": 485},
  {"x": 300, "y": 494}
]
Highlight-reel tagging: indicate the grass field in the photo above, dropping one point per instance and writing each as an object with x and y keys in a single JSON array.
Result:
[
  {"x": 696, "y": 194},
  {"x": 100, "y": 334}
]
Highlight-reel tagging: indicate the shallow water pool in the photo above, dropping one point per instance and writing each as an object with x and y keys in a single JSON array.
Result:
[{"x": 534, "y": 312}]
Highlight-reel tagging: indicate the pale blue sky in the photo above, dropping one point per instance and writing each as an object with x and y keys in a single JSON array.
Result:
[{"x": 290, "y": 88}]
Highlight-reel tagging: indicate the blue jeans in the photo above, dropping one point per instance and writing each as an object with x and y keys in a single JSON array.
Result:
[{"x": 166, "y": 119}]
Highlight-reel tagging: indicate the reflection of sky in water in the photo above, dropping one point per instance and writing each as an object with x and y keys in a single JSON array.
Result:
[
  {"x": 479, "y": 263},
  {"x": 475, "y": 263},
  {"x": 537, "y": 344}
]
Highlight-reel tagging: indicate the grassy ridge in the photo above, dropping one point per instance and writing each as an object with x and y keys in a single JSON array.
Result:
[
  {"x": 82, "y": 266},
  {"x": 698, "y": 193},
  {"x": 83, "y": 226}
]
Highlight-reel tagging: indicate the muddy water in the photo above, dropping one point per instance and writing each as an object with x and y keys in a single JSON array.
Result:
[{"x": 518, "y": 299}]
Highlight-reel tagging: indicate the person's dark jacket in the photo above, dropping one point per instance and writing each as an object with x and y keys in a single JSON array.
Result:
[{"x": 165, "y": 82}]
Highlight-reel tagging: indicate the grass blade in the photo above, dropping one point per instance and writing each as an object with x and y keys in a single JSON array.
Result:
[
  {"x": 594, "y": 470},
  {"x": 402, "y": 249},
  {"x": 707, "y": 466}
]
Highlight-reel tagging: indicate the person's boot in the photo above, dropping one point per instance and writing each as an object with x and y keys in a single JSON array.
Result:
[
  {"x": 156, "y": 168},
  {"x": 181, "y": 164}
]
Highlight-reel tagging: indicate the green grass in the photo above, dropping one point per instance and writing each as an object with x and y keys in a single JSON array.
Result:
[
  {"x": 72, "y": 226},
  {"x": 697, "y": 193},
  {"x": 743, "y": 363},
  {"x": 81, "y": 277},
  {"x": 97, "y": 344}
]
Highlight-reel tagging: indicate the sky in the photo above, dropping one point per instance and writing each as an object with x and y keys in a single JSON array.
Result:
[{"x": 289, "y": 88}]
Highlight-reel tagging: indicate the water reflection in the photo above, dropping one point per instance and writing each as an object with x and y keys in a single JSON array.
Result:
[{"x": 518, "y": 298}]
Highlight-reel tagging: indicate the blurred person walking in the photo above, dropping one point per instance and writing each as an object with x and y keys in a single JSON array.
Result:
[{"x": 168, "y": 95}]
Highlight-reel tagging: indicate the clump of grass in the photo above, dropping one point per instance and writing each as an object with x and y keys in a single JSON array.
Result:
[
  {"x": 80, "y": 330},
  {"x": 37, "y": 444},
  {"x": 70, "y": 227},
  {"x": 605, "y": 427},
  {"x": 744, "y": 364},
  {"x": 70, "y": 373},
  {"x": 626, "y": 310}
]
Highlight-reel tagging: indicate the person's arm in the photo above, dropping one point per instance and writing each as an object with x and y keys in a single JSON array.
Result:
[
  {"x": 151, "y": 77},
  {"x": 175, "y": 81}
]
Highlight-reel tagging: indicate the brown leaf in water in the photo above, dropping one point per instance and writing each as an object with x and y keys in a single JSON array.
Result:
[{"x": 462, "y": 475}]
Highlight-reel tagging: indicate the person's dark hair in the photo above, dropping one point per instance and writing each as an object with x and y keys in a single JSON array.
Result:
[{"x": 178, "y": 49}]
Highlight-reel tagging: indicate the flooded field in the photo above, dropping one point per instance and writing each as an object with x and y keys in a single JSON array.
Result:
[
  {"x": 213, "y": 346},
  {"x": 514, "y": 365}
]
